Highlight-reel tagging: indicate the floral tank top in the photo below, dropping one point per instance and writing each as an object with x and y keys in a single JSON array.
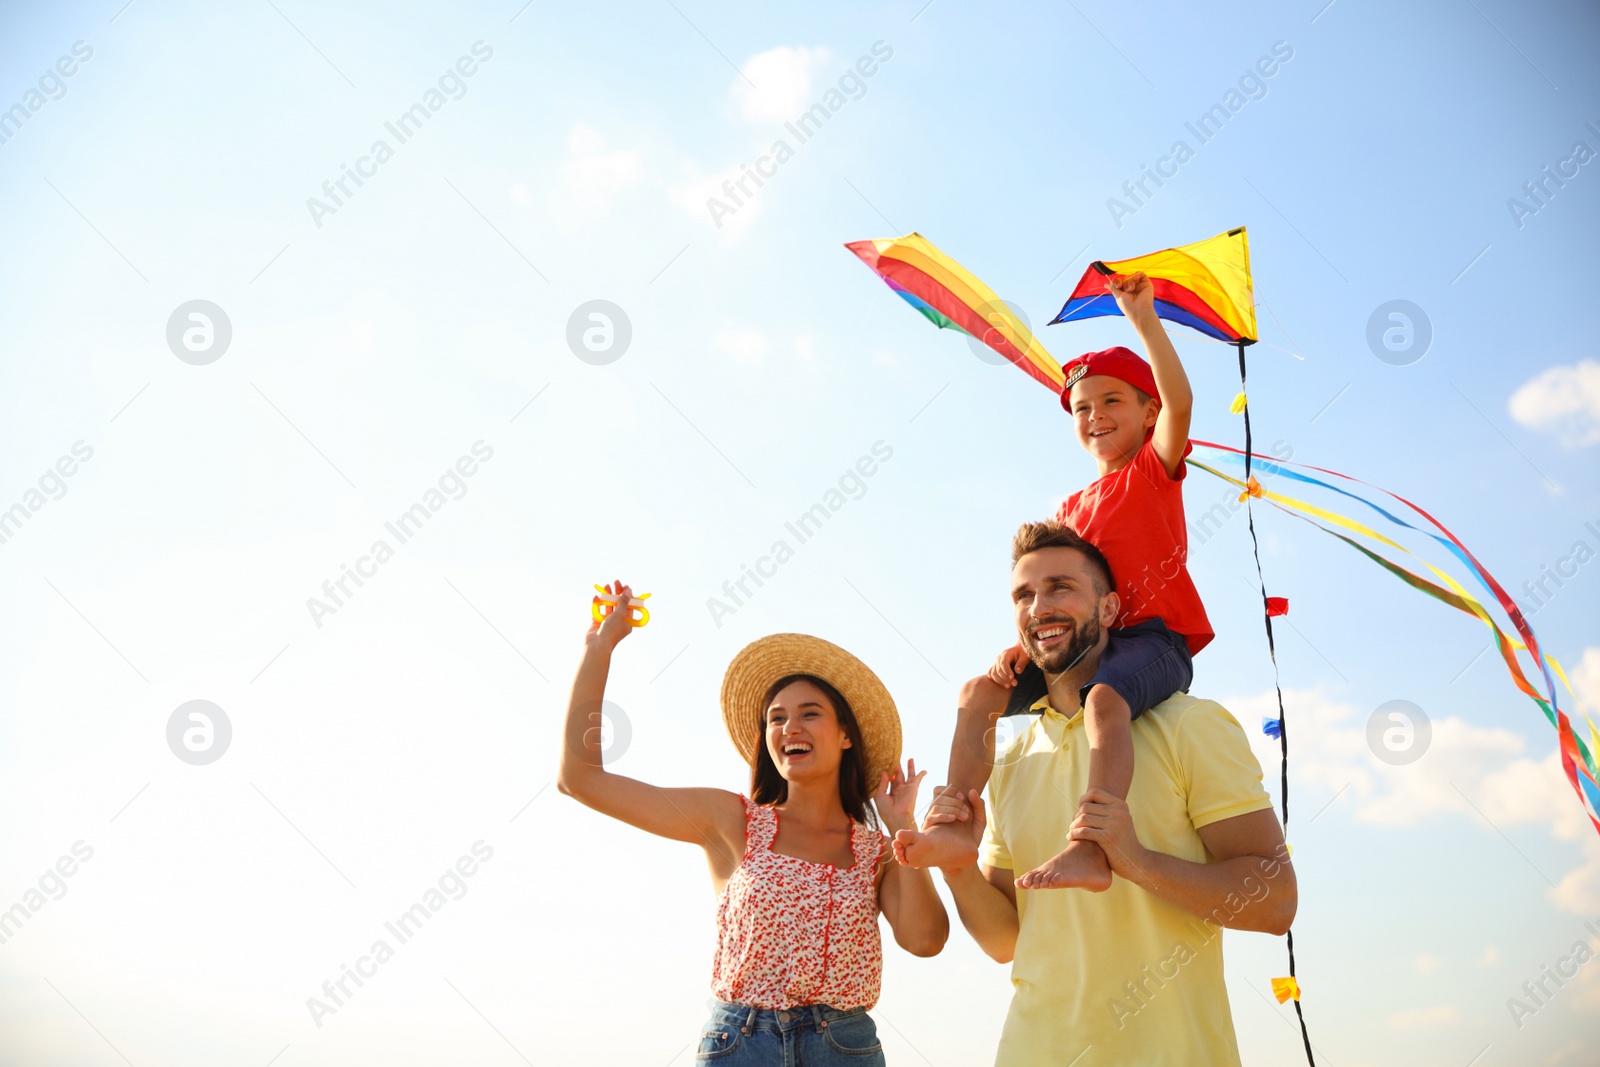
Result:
[{"x": 792, "y": 932}]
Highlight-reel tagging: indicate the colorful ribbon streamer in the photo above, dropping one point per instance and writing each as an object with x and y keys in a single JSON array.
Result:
[{"x": 1577, "y": 757}]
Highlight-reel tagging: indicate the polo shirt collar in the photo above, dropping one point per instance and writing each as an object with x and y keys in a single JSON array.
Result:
[{"x": 1055, "y": 725}]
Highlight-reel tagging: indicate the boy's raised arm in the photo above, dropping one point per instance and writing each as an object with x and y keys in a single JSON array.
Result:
[{"x": 1135, "y": 295}]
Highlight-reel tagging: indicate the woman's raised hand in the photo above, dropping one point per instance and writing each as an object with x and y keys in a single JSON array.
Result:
[
  {"x": 896, "y": 797},
  {"x": 616, "y": 625}
]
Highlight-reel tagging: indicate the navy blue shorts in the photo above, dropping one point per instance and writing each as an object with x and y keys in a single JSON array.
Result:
[{"x": 1145, "y": 663}]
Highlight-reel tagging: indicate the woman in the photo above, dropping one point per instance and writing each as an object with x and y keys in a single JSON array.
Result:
[{"x": 800, "y": 870}]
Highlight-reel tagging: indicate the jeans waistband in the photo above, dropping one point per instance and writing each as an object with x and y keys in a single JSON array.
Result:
[{"x": 747, "y": 1019}]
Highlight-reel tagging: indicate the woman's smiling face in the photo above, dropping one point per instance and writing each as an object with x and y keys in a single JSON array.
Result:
[{"x": 803, "y": 733}]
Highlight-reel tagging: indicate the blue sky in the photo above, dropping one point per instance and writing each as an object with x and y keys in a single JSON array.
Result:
[{"x": 374, "y": 347}]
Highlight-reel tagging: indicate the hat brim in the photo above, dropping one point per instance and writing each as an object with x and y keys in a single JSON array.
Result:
[
  {"x": 1117, "y": 362},
  {"x": 763, "y": 662}
]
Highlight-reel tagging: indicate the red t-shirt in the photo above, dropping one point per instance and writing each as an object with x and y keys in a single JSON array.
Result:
[{"x": 1134, "y": 516}]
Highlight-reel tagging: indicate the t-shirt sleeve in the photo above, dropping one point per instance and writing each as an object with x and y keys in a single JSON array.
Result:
[
  {"x": 1150, "y": 463},
  {"x": 993, "y": 851},
  {"x": 1223, "y": 776}
]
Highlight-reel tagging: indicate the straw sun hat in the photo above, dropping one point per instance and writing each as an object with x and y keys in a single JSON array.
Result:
[{"x": 761, "y": 663}]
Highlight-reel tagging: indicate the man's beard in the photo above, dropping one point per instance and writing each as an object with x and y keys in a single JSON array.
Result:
[{"x": 1082, "y": 637}]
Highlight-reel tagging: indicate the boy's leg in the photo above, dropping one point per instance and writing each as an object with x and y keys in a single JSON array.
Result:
[
  {"x": 971, "y": 760},
  {"x": 1107, "y": 722},
  {"x": 1147, "y": 663}
]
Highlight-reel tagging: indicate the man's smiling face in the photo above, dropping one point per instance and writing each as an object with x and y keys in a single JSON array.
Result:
[{"x": 1059, "y": 598}]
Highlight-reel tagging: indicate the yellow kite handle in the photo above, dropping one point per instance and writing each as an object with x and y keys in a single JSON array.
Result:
[{"x": 605, "y": 603}]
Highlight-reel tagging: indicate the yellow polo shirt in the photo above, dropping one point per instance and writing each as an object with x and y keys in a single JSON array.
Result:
[{"x": 1121, "y": 977}]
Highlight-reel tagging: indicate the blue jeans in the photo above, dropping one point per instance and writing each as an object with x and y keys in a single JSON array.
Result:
[{"x": 814, "y": 1035}]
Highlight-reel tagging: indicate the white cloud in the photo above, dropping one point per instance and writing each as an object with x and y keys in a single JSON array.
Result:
[
  {"x": 1525, "y": 791},
  {"x": 734, "y": 215},
  {"x": 1586, "y": 681},
  {"x": 1472, "y": 771},
  {"x": 1578, "y": 892},
  {"x": 590, "y": 177},
  {"x": 1330, "y": 742},
  {"x": 776, "y": 84},
  {"x": 1574, "y": 1051},
  {"x": 746, "y": 346},
  {"x": 1586, "y": 997},
  {"x": 1563, "y": 399},
  {"x": 1425, "y": 1018}
]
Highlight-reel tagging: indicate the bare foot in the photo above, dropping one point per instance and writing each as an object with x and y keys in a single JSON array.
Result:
[
  {"x": 945, "y": 845},
  {"x": 1081, "y": 865}
]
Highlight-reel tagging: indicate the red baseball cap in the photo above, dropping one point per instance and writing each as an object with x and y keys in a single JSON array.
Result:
[{"x": 1120, "y": 363}]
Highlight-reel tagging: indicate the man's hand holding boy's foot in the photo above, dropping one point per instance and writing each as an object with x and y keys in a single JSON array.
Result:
[{"x": 949, "y": 836}]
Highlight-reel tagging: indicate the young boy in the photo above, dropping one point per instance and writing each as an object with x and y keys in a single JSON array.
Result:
[{"x": 1133, "y": 418}]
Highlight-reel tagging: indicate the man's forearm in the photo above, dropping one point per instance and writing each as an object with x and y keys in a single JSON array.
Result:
[
  {"x": 1244, "y": 893},
  {"x": 987, "y": 913}
]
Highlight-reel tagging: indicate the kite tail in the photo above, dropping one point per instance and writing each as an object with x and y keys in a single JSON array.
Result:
[{"x": 1277, "y": 684}]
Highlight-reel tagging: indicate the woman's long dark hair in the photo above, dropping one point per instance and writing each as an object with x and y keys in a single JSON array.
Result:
[{"x": 767, "y": 786}]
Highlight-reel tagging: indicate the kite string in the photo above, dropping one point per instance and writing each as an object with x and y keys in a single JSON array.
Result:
[
  {"x": 1277, "y": 685},
  {"x": 1296, "y": 354}
]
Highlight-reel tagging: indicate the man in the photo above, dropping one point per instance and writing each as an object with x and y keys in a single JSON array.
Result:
[{"x": 1133, "y": 974}]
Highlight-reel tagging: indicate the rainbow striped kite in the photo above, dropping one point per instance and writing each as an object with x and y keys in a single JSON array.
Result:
[
  {"x": 951, "y": 297},
  {"x": 1205, "y": 285}
]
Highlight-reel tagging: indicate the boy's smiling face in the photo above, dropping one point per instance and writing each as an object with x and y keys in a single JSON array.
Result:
[{"x": 1111, "y": 420}]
